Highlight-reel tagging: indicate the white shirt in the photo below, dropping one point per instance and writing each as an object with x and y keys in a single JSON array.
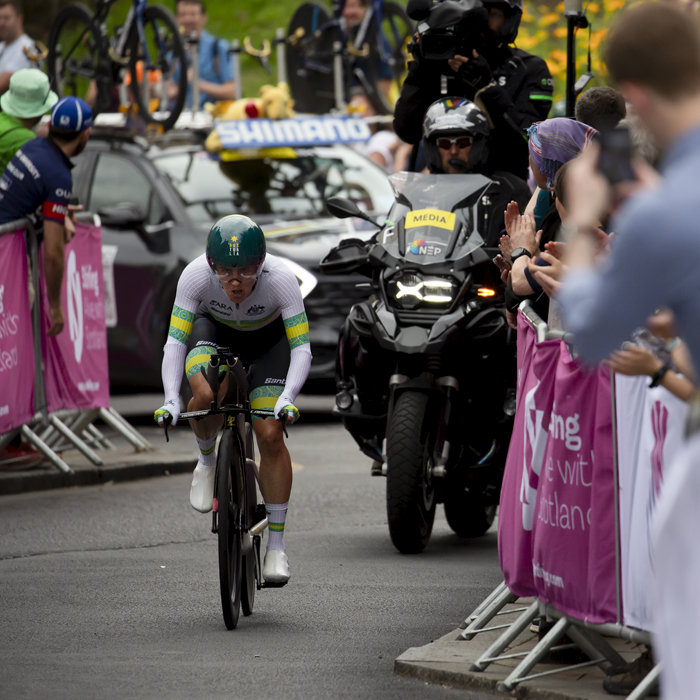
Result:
[
  {"x": 12, "y": 56},
  {"x": 382, "y": 142}
]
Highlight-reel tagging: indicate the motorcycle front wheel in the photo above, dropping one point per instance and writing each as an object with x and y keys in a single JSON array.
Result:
[{"x": 410, "y": 495}]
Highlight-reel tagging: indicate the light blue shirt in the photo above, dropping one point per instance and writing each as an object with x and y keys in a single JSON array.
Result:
[
  {"x": 207, "y": 66},
  {"x": 654, "y": 262}
]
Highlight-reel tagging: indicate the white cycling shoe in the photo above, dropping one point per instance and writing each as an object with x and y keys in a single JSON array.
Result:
[
  {"x": 202, "y": 489},
  {"x": 276, "y": 567}
]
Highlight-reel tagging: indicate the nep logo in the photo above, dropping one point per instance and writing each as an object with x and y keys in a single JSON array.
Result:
[{"x": 421, "y": 247}]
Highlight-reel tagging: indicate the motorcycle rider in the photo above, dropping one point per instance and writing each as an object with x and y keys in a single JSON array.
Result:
[
  {"x": 458, "y": 140},
  {"x": 514, "y": 87}
]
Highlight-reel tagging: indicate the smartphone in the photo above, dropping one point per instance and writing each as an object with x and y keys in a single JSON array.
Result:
[{"x": 615, "y": 160}]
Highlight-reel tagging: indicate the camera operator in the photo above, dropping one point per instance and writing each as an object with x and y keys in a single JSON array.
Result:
[
  {"x": 457, "y": 141},
  {"x": 514, "y": 87}
]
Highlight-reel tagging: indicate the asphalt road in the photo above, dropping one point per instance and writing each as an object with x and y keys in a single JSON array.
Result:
[{"x": 112, "y": 591}]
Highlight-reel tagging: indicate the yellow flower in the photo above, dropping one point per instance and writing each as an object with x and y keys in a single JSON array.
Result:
[
  {"x": 548, "y": 19},
  {"x": 560, "y": 32},
  {"x": 593, "y": 7},
  {"x": 560, "y": 7},
  {"x": 558, "y": 55},
  {"x": 527, "y": 42},
  {"x": 613, "y": 5}
]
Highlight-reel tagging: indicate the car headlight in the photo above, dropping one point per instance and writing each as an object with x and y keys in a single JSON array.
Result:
[{"x": 415, "y": 288}]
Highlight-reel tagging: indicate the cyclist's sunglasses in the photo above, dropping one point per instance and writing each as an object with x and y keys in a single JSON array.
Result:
[
  {"x": 446, "y": 143},
  {"x": 227, "y": 274}
]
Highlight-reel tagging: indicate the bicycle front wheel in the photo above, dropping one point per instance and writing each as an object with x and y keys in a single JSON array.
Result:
[
  {"x": 387, "y": 64},
  {"x": 157, "y": 59},
  {"x": 230, "y": 509},
  {"x": 250, "y": 560},
  {"x": 75, "y": 56}
]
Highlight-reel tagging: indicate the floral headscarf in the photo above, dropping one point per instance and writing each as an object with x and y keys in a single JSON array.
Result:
[{"x": 554, "y": 142}]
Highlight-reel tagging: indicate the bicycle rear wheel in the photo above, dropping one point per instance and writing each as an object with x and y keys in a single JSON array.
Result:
[
  {"x": 310, "y": 58},
  {"x": 76, "y": 63},
  {"x": 386, "y": 66},
  {"x": 156, "y": 59},
  {"x": 231, "y": 505}
]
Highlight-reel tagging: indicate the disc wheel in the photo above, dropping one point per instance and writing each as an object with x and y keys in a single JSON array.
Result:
[
  {"x": 387, "y": 64},
  {"x": 410, "y": 494},
  {"x": 310, "y": 58},
  {"x": 76, "y": 58},
  {"x": 230, "y": 507},
  {"x": 157, "y": 57},
  {"x": 250, "y": 560}
]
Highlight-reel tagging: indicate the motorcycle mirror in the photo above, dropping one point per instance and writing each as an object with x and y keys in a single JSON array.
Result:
[
  {"x": 343, "y": 208},
  {"x": 418, "y": 10}
]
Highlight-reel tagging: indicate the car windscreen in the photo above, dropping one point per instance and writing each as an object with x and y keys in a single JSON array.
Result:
[{"x": 289, "y": 183}]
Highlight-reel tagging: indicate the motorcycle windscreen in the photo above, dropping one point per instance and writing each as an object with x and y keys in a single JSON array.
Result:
[{"x": 434, "y": 215}]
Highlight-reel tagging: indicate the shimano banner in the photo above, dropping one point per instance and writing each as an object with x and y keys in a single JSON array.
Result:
[
  {"x": 650, "y": 429},
  {"x": 77, "y": 375},
  {"x": 305, "y": 131},
  {"x": 16, "y": 347}
]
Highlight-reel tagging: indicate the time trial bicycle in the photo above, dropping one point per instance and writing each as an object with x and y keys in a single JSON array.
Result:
[
  {"x": 237, "y": 518},
  {"x": 375, "y": 54},
  {"x": 85, "y": 61}
]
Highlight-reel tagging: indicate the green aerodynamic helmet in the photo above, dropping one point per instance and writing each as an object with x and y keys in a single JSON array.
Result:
[{"x": 236, "y": 241}]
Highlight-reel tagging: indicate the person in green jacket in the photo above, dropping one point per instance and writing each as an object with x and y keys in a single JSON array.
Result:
[{"x": 28, "y": 99}]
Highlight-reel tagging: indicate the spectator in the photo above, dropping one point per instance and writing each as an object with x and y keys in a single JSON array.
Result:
[
  {"x": 382, "y": 145},
  {"x": 37, "y": 183},
  {"x": 653, "y": 55},
  {"x": 600, "y": 107},
  {"x": 354, "y": 12},
  {"x": 215, "y": 69},
  {"x": 13, "y": 41},
  {"x": 23, "y": 105}
]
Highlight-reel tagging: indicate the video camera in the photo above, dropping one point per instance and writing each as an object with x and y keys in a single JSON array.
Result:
[{"x": 447, "y": 28}]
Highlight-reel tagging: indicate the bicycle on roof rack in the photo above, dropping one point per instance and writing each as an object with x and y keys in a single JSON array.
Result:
[
  {"x": 237, "y": 517},
  {"x": 374, "y": 54},
  {"x": 85, "y": 61}
]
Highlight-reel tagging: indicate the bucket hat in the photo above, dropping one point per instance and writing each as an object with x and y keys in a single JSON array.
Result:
[{"x": 30, "y": 94}]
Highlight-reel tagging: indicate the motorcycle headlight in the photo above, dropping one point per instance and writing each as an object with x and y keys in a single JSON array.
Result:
[{"x": 414, "y": 288}]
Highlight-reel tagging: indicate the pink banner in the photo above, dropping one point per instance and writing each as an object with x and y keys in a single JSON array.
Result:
[
  {"x": 536, "y": 363},
  {"x": 573, "y": 549},
  {"x": 16, "y": 337},
  {"x": 77, "y": 374}
]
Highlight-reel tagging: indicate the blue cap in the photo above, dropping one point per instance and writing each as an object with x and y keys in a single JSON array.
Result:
[{"x": 71, "y": 115}]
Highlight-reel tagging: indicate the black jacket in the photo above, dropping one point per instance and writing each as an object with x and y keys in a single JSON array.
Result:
[{"x": 521, "y": 95}]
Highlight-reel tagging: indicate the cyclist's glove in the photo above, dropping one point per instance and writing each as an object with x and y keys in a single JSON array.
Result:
[
  {"x": 171, "y": 407},
  {"x": 285, "y": 403}
]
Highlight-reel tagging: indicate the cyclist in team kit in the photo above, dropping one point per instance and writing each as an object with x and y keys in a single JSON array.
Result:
[{"x": 239, "y": 297}]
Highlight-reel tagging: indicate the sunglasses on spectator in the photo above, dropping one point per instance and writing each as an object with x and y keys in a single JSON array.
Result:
[
  {"x": 226, "y": 274},
  {"x": 461, "y": 142}
]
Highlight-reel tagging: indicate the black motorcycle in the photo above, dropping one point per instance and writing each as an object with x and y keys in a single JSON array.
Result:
[{"x": 425, "y": 366}]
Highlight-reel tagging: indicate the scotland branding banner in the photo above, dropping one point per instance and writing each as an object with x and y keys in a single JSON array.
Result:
[
  {"x": 16, "y": 346},
  {"x": 77, "y": 374},
  {"x": 650, "y": 430},
  {"x": 305, "y": 131}
]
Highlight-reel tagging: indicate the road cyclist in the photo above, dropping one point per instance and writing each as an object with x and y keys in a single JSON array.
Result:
[{"x": 237, "y": 296}]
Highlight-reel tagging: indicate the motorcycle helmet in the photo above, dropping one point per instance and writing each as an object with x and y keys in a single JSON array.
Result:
[
  {"x": 236, "y": 241},
  {"x": 455, "y": 116},
  {"x": 513, "y": 11}
]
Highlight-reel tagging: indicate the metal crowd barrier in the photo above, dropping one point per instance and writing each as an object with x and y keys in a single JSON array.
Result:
[
  {"x": 584, "y": 635},
  {"x": 52, "y": 433}
]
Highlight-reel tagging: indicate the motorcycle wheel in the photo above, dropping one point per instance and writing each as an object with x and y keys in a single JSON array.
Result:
[
  {"x": 466, "y": 515},
  {"x": 410, "y": 495}
]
